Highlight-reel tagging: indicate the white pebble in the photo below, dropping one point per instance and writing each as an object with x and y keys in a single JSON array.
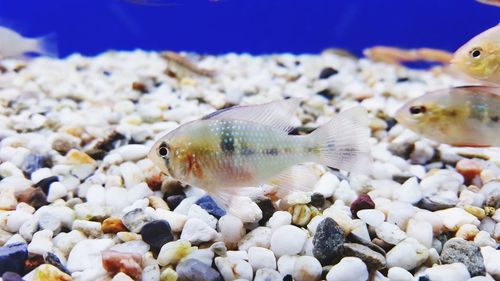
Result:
[
  {"x": 197, "y": 231},
  {"x": 327, "y": 185},
  {"x": 206, "y": 256},
  {"x": 409, "y": 192},
  {"x": 89, "y": 228},
  {"x": 131, "y": 174},
  {"x": 41, "y": 242},
  {"x": 287, "y": 240},
  {"x": 259, "y": 257},
  {"x": 50, "y": 222},
  {"x": 259, "y": 237},
  {"x": 455, "y": 217},
  {"x": 195, "y": 211},
  {"x": 56, "y": 190},
  {"x": 307, "y": 269},
  {"x": 175, "y": 220},
  {"x": 421, "y": 231},
  {"x": 483, "y": 238},
  {"x": 399, "y": 274},
  {"x": 66, "y": 241},
  {"x": 390, "y": 233},
  {"x": 372, "y": 217},
  {"x": 445, "y": 272},
  {"x": 408, "y": 254},
  {"x": 348, "y": 269},
  {"x": 231, "y": 229},
  {"x": 491, "y": 258},
  {"x": 231, "y": 269},
  {"x": 87, "y": 253},
  {"x": 279, "y": 218},
  {"x": 266, "y": 274},
  {"x": 132, "y": 152}
]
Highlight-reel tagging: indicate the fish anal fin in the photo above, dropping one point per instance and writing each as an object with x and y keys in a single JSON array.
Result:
[
  {"x": 300, "y": 178},
  {"x": 238, "y": 202}
]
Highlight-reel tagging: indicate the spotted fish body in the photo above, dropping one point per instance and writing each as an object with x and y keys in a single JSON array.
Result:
[
  {"x": 232, "y": 153},
  {"x": 250, "y": 145},
  {"x": 461, "y": 116}
]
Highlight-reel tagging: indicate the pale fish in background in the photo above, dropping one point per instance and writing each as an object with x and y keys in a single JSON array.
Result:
[
  {"x": 461, "y": 116},
  {"x": 14, "y": 45},
  {"x": 480, "y": 57},
  {"x": 394, "y": 55},
  {"x": 490, "y": 2},
  {"x": 239, "y": 148}
]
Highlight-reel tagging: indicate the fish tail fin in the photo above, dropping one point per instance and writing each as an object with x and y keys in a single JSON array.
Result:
[
  {"x": 47, "y": 45},
  {"x": 344, "y": 141}
]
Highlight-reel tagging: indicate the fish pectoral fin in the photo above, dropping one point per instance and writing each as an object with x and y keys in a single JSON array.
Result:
[
  {"x": 237, "y": 202},
  {"x": 296, "y": 178},
  {"x": 276, "y": 114}
]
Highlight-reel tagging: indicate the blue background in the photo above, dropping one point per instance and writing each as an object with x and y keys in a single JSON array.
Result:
[{"x": 255, "y": 26}]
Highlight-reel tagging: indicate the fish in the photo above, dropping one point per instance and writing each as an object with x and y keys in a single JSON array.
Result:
[
  {"x": 241, "y": 147},
  {"x": 479, "y": 58},
  {"x": 460, "y": 116},
  {"x": 14, "y": 45},
  {"x": 179, "y": 63},
  {"x": 490, "y": 2},
  {"x": 393, "y": 55}
]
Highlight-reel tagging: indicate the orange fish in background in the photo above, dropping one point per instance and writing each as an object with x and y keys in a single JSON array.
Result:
[
  {"x": 394, "y": 55},
  {"x": 490, "y": 2}
]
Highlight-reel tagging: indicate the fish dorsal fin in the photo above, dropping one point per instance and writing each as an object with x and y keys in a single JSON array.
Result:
[
  {"x": 492, "y": 90},
  {"x": 276, "y": 114}
]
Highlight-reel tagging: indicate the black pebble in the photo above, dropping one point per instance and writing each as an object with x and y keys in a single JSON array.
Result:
[
  {"x": 424, "y": 278},
  {"x": 327, "y": 94},
  {"x": 328, "y": 242},
  {"x": 267, "y": 208},
  {"x": 287, "y": 277},
  {"x": 46, "y": 182},
  {"x": 402, "y": 79},
  {"x": 174, "y": 200},
  {"x": 327, "y": 72},
  {"x": 54, "y": 260},
  {"x": 317, "y": 200},
  {"x": 156, "y": 234}
]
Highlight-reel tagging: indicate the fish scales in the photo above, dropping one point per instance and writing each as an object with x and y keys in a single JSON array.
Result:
[{"x": 243, "y": 152}]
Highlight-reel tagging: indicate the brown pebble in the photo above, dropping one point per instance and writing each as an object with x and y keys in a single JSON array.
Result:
[
  {"x": 469, "y": 169},
  {"x": 128, "y": 263},
  {"x": 34, "y": 197},
  {"x": 362, "y": 202},
  {"x": 138, "y": 86},
  {"x": 158, "y": 203},
  {"x": 113, "y": 225},
  {"x": 155, "y": 182},
  {"x": 33, "y": 262}
]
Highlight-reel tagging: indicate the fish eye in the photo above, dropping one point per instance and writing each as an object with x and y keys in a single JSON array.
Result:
[
  {"x": 476, "y": 53},
  {"x": 163, "y": 150},
  {"x": 417, "y": 109}
]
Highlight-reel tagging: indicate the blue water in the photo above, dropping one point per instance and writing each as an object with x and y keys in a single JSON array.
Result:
[{"x": 255, "y": 26}]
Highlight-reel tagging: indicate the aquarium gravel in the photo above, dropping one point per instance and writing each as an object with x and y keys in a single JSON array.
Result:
[{"x": 80, "y": 200}]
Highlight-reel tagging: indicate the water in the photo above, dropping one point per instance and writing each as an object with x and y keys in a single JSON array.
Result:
[{"x": 93, "y": 115}]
